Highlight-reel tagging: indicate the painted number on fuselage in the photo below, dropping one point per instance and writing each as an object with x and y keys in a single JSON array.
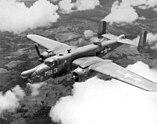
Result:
[{"x": 51, "y": 72}]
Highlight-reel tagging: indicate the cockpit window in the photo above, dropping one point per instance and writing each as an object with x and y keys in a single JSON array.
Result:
[
  {"x": 52, "y": 64},
  {"x": 51, "y": 61}
]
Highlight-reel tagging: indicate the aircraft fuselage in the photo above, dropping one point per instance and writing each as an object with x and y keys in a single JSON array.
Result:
[{"x": 58, "y": 65}]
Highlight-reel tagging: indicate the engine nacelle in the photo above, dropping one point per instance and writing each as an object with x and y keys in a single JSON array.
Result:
[
  {"x": 80, "y": 74},
  {"x": 47, "y": 54}
]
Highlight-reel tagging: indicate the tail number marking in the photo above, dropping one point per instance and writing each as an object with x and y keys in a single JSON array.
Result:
[{"x": 51, "y": 72}]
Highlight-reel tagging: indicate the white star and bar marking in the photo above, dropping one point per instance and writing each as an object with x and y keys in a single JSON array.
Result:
[{"x": 128, "y": 75}]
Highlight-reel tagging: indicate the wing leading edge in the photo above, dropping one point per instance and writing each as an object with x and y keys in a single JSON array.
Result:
[
  {"x": 48, "y": 43},
  {"x": 117, "y": 72}
]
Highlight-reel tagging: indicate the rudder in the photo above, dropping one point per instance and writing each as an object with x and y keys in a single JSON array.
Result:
[
  {"x": 142, "y": 41},
  {"x": 101, "y": 29}
]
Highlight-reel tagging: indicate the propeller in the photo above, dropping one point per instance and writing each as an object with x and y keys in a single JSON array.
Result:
[
  {"x": 41, "y": 58},
  {"x": 37, "y": 49}
]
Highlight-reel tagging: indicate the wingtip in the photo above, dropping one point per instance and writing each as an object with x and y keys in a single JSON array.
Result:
[
  {"x": 30, "y": 35},
  {"x": 152, "y": 87}
]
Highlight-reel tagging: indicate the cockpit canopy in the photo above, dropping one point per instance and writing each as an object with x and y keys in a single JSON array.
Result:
[
  {"x": 95, "y": 41},
  {"x": 51, "y": 61}
]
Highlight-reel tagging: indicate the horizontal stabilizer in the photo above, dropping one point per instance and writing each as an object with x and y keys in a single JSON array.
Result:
[{"x": 121, "y": 39}]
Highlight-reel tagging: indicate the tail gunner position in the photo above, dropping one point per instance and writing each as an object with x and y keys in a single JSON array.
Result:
[{"x": 82, "y": 61}]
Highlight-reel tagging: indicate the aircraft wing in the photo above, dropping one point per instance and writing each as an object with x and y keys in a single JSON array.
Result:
[
  {"x": 115, "y": 71},
  {"x": 48, "y": 43}
]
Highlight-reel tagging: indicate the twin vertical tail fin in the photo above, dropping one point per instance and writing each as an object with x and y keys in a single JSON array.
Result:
[
  {"x": 102, "y": 29},
  {"x": 142, "y": 42}
]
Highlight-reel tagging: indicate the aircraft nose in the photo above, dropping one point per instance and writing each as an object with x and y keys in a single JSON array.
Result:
[
  {"x": 28, "y": 73},
  {"x": 35, "y": 74},
  {"x": 25, "y": 75}
]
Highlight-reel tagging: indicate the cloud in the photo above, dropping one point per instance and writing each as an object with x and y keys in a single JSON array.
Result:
[
  {"x": 152, "y": 37},
  {"x": 121, "y": 12},
  {"x": 152, "y": 40},
  {"x": 88, "y": 34},
  {"x": 68, "y": 6},
  {"x": 35, "y": 88},
  {"x": 144, "y": 70},
  {"x": 108, "y": 102},
  {"x": 86, "y": 4},
  {"x": 16, "y": 17},
  {"x": 124, "y": 11},
  {"x": 91, "y": 36},
  {"x": 10, "y": 100},
  {"x": 144, "y": 4}
]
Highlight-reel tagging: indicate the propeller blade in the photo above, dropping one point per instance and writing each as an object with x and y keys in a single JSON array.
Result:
[
  {"x": 37, "y": 49},
  {"x": 41, "y": 58}
]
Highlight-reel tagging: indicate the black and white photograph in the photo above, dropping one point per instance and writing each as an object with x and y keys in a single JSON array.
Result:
[{"x": 78, "y": 61}]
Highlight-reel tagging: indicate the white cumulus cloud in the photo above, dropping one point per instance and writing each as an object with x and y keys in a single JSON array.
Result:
[
  {"x": 124, "y": 11},
  {"x": 152, "y": 40},
  {"x": 16, "y": 17},
  {"x": 121, "y": 12},
  {"x": 88, "y": 34},
  {"x": 68, "y": 6},
  {"x": 108, "y": 102},
  {"x": 10, "y": 100},
  {"x": 35, "y": 88},
  {"x": 86, "y": 4},
  {"x": 152, "y": 37}
]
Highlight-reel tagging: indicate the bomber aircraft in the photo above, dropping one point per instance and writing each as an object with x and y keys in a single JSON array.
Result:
[{"x": 84, "y": 62}]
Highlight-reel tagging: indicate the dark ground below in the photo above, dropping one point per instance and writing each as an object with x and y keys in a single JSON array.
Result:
[{"x": 18, "y": 54}]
